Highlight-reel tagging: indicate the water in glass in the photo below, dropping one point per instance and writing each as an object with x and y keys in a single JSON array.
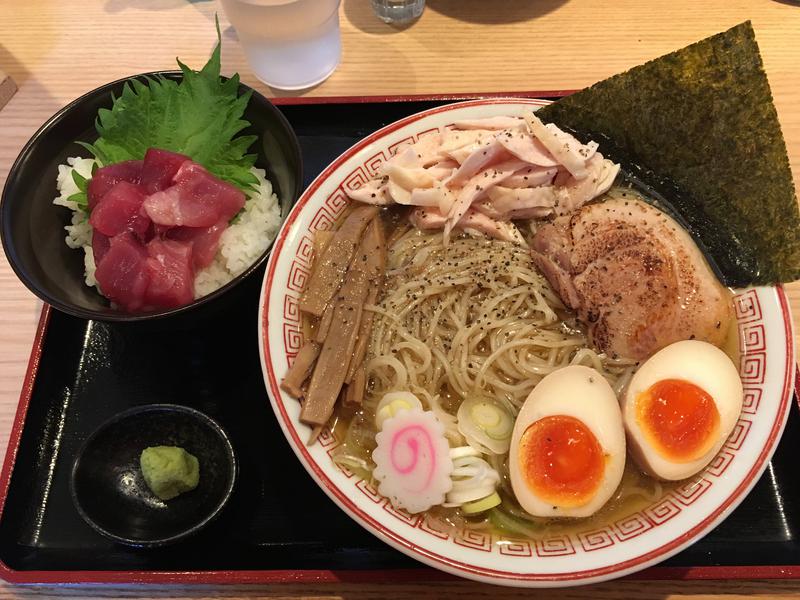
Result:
[{"x": 290, "y": 44}]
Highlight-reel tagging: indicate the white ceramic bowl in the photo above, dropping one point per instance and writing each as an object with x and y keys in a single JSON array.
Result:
[{"x": 632, "y": 543}]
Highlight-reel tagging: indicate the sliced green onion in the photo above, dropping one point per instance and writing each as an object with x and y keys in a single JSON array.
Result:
[
  {"x": 463, "y": 451},
  {"x": 486, "y": 423},
  {"x": 510, "y": 524},
  {"x": 485, "y": 415},
  {"x": 392, "y": 403},
  {"x": 490, "y": 501}
]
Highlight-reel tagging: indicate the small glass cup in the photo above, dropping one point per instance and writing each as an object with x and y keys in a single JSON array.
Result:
[
  {"x": 398, "y": 11},
  {"x": 289, "y": 44}
]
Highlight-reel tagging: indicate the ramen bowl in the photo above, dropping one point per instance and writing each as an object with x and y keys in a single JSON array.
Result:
[{"x": 626, "y": 543}]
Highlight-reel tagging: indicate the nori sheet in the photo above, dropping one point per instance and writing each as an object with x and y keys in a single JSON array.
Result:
[{"x": 698, "y": 127}]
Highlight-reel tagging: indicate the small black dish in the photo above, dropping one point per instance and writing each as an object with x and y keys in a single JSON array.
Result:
[
  {"x": 32, "y": 228},
  {"x": 109, "y": 490}
]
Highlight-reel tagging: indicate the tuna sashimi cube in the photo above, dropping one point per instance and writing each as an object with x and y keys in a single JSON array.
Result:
[
  {"x": 106, "y": 178},
  {"x": 159, "y": 168},
  {"x": 198, "y": 199},
  {"x": 122, "y": 273},
  {"x": 120, "y": 210},
  {"x": 169, "y": 265},
  {"x": 100, "y": 245},
  {"x": 205, "y": 241}
]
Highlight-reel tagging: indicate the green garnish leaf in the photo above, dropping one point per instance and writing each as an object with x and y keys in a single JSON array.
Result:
[
  {"x": 698, "y": 127},
  {"x": 199, "y": 117},
  {"x": 79, "y": 180},
  {"x": 80, "y": 199}
]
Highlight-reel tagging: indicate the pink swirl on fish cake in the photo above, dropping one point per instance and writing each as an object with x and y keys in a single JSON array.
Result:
[
  {"x": 413, "y": 461},
  {"x": 412, "y": 436}
]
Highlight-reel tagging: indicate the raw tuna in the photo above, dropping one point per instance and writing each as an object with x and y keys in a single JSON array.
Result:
[
  {"x": 100, "y": 245},
  {"x": 198, "y": 199},
  {"x": 123, "y": 274},
  {"x": 106, "y": 178},
  {"x": 204, "y": 241},
  {"x": 159, "y": 168},
  {"x": 120, "y": 210},
  {"x": 169, "y": 266},
  {"x": 154, "y": 223}
]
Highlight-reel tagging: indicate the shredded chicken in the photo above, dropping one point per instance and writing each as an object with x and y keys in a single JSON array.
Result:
[{"x": 480, "y": 174}]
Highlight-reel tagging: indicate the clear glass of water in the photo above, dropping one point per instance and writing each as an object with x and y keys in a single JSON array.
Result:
[
  {"x": 398, "y": 11},
  {"x": 289, "y": 44}
]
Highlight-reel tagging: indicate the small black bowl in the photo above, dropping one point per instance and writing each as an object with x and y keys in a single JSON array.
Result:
[
  {"x": 32, "y": 227},
  {"x": 109, "y": 490}
]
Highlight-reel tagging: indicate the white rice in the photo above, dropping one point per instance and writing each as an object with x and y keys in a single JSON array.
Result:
[{"x": 240, "y": 245}]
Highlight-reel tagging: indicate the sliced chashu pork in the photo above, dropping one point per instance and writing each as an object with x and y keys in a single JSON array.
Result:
[{"x": 636, "y": 278}]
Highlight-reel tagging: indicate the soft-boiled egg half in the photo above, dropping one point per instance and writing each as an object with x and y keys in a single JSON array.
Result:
[
  {"x": 567, "y": 451},
  {"x": 680, "y": 407}
]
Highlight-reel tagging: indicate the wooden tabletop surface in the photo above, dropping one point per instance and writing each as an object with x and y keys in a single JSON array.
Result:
[{"x": 57, "y": 50}]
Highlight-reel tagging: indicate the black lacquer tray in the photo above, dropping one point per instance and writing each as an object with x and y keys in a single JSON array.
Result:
[{"x": 278, "y": 526}]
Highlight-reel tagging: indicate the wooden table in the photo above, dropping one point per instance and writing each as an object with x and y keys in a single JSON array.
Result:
[{"x": 60, "y": 49}]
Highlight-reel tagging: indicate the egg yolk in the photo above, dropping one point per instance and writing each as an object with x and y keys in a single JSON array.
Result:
[
  {"x": 680, "y": 419},
  {"x": 561, "y": 460}
]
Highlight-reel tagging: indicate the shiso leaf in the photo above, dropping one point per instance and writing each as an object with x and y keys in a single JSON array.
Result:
[
  {"x": 699, "y": 127},
  {"x": 79, "y": 180},
  {"x": 199, "y": 117},
  {"x": 79, "y": 197}
]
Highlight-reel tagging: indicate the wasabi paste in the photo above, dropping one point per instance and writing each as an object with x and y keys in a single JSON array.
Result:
[{"x": 169, "y": 471}]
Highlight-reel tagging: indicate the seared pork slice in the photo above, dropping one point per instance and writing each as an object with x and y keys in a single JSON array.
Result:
[
  {"x": 635, "y": 277},
  {"x": 337, "y": 350},
  {"x": 332, "y": 264}
]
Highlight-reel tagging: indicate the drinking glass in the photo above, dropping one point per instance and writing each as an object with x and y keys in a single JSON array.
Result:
[
  {"x": 398, "y": 11},
  {"x": 289, "y": 44}
]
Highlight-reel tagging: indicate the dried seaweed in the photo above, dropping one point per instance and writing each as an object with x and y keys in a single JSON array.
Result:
[{"x": 699, "y": 127}]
